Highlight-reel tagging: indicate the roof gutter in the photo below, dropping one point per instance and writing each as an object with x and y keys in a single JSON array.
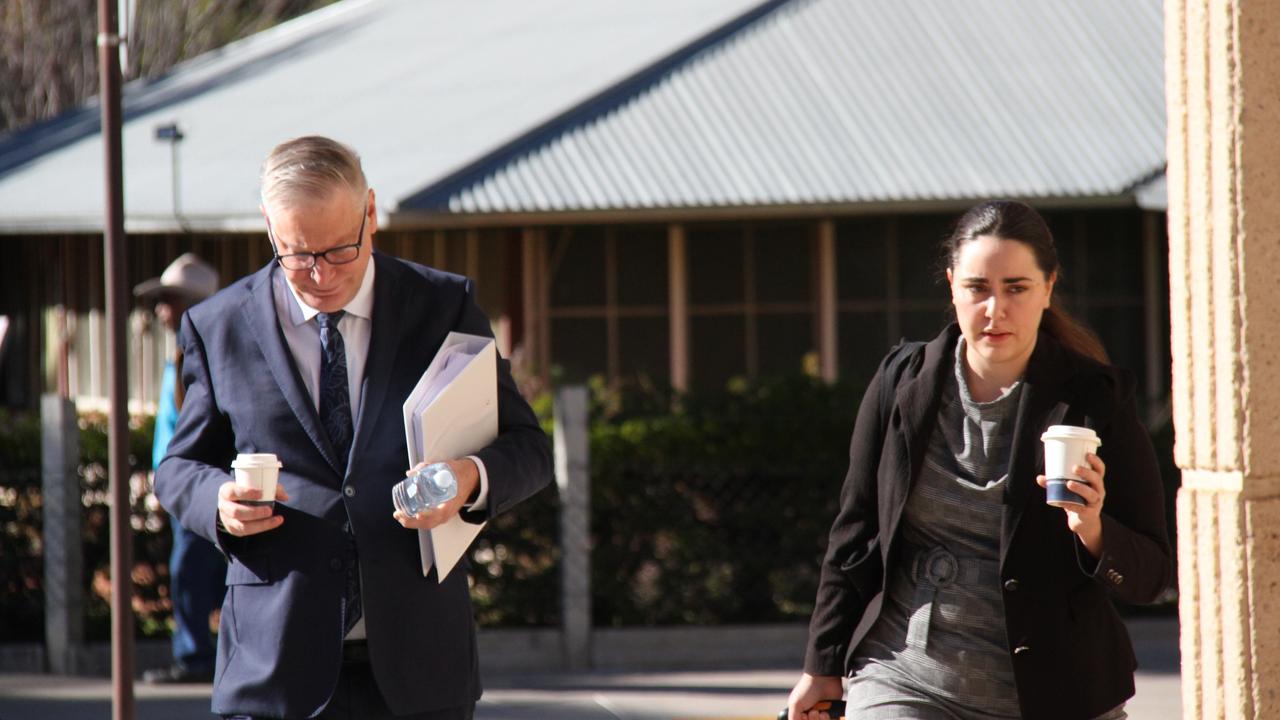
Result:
[{"x": 435, "y": 220}]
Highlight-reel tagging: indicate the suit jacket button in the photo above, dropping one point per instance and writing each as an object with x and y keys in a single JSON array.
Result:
[
  {"x": 349, "y": 491},
  {"x": 1021, "y": 649},
  {"x": 1011, "y": 585},
  {"x": 335, "y": 564}
]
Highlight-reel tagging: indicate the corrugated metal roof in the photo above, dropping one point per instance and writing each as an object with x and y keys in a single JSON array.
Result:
[
  {"x": 463, "y": 107},
  {"x": 419, "y": 88},
  {"x": 849, "y": 101}
]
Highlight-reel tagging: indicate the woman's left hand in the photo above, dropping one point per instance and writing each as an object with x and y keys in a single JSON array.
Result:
[{"x": 1086, "y": 520}]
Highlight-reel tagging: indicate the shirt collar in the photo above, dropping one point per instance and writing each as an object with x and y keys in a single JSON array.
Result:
[{"x": 361, "y": 305}]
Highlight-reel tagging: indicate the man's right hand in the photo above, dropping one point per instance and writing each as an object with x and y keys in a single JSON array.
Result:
[
  {"x": 810, "y": 690},
  {"x": 242, "y": 520}
]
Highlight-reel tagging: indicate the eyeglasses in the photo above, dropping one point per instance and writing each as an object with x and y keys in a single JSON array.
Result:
[{"x": 340, "y": 255}]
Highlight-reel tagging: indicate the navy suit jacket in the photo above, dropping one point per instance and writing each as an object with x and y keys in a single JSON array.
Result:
[{"x": 280, "y": 643}]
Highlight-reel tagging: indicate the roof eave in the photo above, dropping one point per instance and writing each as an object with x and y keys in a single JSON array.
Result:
[
  {"x": 435, "y": 219},
  {"x": 133, "y": 225}
]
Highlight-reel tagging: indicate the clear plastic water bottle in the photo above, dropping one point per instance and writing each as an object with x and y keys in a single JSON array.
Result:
[{"x": 430, "y": 486}]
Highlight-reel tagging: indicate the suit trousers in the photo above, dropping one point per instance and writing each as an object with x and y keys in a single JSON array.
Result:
[{"x": 357, "y": 697}]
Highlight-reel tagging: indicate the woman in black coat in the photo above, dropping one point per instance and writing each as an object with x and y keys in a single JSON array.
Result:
[{"x": 1025, "y": 627}]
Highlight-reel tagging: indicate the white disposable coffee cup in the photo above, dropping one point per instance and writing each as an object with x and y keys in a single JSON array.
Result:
[
  {"x": 259, "y": 471},
  {"x": 1066, "y": 446}
]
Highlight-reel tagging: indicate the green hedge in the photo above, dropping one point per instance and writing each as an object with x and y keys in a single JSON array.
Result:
[
  {"x": 21, "y": 597},
  {"x": 515, "y": 566},
  {"x": 718, "y": 512},
  {"x": 513, "y": 574},
  {"x": 21, "y": 525},
  {"x": 714, "y": 513},
  {"x": 708, "y": 509}
]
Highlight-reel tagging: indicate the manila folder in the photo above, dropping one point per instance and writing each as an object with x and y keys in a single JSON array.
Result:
[{"x": 452, "y": 413}]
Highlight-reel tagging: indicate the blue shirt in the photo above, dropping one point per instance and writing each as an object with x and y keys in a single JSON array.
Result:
[{"x": 166, "y": 415}]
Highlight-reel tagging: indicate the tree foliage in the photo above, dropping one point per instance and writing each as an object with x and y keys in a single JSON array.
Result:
[{"x": 48, "y": 48}]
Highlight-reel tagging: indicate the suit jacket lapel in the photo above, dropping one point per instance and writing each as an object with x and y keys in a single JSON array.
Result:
[
  {"x": 384, "y": 341},
  {"x": 259, "y": 310},
  {"x": 916, "y": 401},
  {"x": 1041, "y": 395}
]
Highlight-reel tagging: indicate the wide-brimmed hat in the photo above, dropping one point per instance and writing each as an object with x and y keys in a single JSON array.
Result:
[{"x": 188, "y": 278}]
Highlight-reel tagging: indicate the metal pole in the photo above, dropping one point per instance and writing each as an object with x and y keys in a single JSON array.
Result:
[{"x": 122, "y": 703}]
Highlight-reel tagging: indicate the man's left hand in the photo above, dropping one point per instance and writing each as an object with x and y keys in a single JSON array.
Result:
[{"x": 466, "y": 474}]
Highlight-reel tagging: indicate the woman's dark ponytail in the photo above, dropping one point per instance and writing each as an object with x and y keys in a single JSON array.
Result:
[
  {"x": 1072, "y": 334},
  {"x": 1012, "y": 220}
]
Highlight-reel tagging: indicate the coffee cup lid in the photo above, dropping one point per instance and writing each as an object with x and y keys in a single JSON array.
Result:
[
  {"x": 1070, "y": 432},
  {"x": 248, "y": 460}
]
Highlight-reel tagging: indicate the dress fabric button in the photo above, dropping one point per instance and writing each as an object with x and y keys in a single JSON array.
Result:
[
  {"x": 335, "y": 564},
  {"x": 349, "y": 491},
  {"x": 1011, "y": 585}
]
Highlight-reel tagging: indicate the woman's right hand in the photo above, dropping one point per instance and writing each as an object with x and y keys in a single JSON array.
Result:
[{"x": 809, "y": 691}]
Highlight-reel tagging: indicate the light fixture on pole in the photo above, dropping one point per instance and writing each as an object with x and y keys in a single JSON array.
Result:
[{"x": 172, "y": 134}]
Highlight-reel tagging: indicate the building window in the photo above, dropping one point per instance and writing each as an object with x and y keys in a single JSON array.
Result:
[
  {"x": 887, "y": 287},
  {"x": 751, "y": 300},
  {"x": 607, "y": 290},
  {"x": 752, "y": 297},
  {"x": 1103, "y": 284}
]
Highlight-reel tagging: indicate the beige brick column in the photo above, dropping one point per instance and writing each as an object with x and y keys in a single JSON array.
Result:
[{"x": 1223, "y": 94}]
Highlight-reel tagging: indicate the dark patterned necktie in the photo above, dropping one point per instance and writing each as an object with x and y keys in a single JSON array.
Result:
[
  {"x": 335, "y": 398},
  {"x": 335, "y": 415}
]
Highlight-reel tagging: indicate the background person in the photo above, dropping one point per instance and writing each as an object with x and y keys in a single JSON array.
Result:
[
  {"x": 949, "y": 588},
  {"x": 196, "y": 568},
  {"x": 327, "y": 612}
]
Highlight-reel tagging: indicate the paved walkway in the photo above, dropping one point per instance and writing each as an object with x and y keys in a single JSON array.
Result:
[{"x": 576, "y": 696}]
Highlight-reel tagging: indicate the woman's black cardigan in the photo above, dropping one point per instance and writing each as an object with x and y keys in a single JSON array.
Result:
[{"x": 1072, "y": 657}]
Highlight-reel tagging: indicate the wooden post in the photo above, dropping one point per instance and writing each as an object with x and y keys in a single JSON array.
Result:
[
  {"x": 828, "y": 329},
  {"x": 1154, "y": 330},
  {"x": 679, "y": 302}
]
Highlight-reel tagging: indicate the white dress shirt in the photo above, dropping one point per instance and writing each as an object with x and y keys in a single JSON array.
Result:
[{"x": 303, "y": 335}]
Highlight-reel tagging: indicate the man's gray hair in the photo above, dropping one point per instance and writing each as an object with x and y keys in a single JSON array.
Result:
[{"x": 308, "y": 168}]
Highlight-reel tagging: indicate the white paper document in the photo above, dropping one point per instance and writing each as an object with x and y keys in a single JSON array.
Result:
[{"x": 452, "y": 412}]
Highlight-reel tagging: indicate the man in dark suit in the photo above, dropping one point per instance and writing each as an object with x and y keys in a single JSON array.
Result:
[{"x": 327, "y": 610}]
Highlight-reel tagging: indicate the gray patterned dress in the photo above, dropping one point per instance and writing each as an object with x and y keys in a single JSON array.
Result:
[{"x": 938, "y": 648}]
